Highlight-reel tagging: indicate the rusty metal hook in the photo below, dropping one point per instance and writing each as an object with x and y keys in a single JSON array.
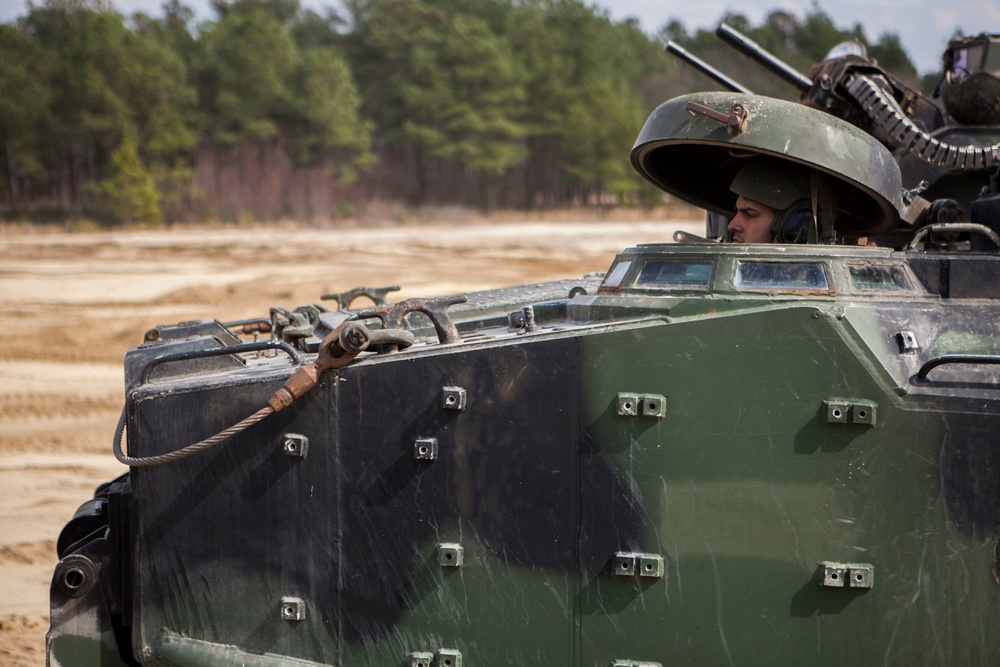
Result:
[{"x": 734, "y": 122}]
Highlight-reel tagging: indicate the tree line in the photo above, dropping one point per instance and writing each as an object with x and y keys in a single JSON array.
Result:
[{"x": 271, "y": 111}]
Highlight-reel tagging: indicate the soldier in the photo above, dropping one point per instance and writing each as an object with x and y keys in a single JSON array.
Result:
[{"x": 773, "y": 203}]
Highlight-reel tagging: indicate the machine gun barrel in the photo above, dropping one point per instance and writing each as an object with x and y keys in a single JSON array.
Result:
[
  {"x": 755, "y": 52},
  {"x": 726, "y": 82}
]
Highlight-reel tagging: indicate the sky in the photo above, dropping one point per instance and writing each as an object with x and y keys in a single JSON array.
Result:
[{"x": 923, "y": 26}]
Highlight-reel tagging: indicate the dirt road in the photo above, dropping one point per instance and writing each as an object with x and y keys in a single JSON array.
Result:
[{"x": 72, "y": 304}]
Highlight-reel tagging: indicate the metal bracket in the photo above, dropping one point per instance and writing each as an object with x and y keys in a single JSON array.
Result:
[
  {"x": 634, "y": 663},
  {"x": 645, "y": 405},
  {"x": 850, "y": 411},
  {"x": 345, "y": 299},
  {"x": 76, "y": 575},
  {"x": 425, "y": 449},
  {"x": 453, "y": 398},
  {"x": 436, "y": 310},
  {"x": 907, "y": 342},
  {"x": 293, "y": 609},
  {"x": 295, "y": 445},
  {"x": 451, "y": 554},
  {"x": 734, "y": 122},
  {"x": 420, "y": 659},
  {"x": 522, "y": 321},
  {"x": 630, "y": 564},
  {"x": 847, "y": 575},
  {"x": 448, "y": 657}
]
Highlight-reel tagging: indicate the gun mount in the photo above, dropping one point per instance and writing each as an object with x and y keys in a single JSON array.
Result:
[{"x": 939, "y": 158}]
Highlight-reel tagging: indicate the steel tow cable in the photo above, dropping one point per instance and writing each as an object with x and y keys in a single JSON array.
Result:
[{"x": 338, "y": 349}]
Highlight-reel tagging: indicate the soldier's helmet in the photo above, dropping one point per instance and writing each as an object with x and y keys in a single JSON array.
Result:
[
  {"x": 783, "y": 186},
  {"x": 970, "y": 88},
  {"x": 773, "y": 182}
]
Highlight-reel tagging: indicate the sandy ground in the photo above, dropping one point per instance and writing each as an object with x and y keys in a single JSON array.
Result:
[{"x": 72, "y": 304}]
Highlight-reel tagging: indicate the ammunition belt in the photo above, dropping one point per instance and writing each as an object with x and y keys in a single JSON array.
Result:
[{"x": 901, "y": 132}]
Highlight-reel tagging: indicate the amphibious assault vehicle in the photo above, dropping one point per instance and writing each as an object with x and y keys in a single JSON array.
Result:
[{"x": 712, "y": 454}]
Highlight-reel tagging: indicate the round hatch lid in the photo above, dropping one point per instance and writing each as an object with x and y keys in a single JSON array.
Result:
[{"x": 692, "y": 146}]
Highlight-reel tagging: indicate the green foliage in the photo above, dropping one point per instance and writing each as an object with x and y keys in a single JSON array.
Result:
[
  {"x": 464, "y": 98},
  {"x": 249, "y": 58},
  {"x": 282, "y": 11},
  {"x": 517, "y": 102},
  {"x": 325, "y": 104},
  {"x": 889, "y": 53},
  {"x": 24, "y": 107},
  {"x": 130, "y": 188}
]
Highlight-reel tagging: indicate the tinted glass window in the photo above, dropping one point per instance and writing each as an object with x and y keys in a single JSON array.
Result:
[
  {"x": 617, "y": 274},
  {"x": 781, "y": 276},
  {"x": 673, "y": 273},
  {"x": 871, "y": 277}
]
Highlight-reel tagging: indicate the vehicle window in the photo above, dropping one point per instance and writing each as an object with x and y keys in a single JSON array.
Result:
[
  {"x": 617, "y": 274},
  {"x": 883, "y": 277},
  {"x": 675, "y": 273},
  {"x": 781, "y": 276}
]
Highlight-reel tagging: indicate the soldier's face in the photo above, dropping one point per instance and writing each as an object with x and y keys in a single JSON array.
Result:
[{"x": 752, "y": 223}]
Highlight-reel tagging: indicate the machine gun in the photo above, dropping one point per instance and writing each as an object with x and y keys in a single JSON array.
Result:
[{"x": 939, "y": 158}]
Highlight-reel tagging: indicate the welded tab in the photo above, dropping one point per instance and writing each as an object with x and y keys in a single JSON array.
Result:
[
  {"x": 628, "y": 405},
  {"x": 836, "y": 411},
  {"x": 631, "y": 564},
  {"x": 451, "y": 554},
  {"x": 650, "y": 566},
  {"x": 420, "y": 659},
  {"x": 653, "y": 405},
  {"x": 295, "y": 445},
  {"x": 834, "y": 575},
  {"x": 293, "y": 609},
  {"x": 425, "y": 449},
  {"x": 448, "y": 657},
  {"x": 907, "y": 342},
  {"x": 861, "y": 576},
  {"x": 863, "y": 412},
  {"x": 850, "y": 411},
  {"x": 453, "y": 398},
  {"x": 847, "y": 575},
  {"x": 624, "y": 564}
]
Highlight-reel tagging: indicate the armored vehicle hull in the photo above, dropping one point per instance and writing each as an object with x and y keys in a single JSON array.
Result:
[
  {"x": 714, "y": 454},
  {"x": 722, "y": 452}
]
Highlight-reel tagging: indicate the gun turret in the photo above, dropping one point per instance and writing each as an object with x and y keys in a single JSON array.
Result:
[
  {"x": 726, "y": 82},
  {"x": 926, "y": 143},
  {"x": 755, "y": 52}
]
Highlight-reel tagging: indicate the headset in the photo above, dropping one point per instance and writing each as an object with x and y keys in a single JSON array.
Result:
[{"x": 792, "y": 224}]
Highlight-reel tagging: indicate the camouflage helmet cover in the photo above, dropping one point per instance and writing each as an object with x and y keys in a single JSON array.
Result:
[
  {"x": 773, "y": 182},
  {"x": 970, "y": 89}
]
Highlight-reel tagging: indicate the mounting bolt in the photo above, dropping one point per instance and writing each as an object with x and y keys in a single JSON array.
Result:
[
  {"x": 448, "y": 657},
  {"x": 628, "y": 405},
  {"x": 293, "y": 609},
  {"x": 834, "y": 576},
  {"x": 425, "y": 449},
  {"x": 653, "y": 405},
  {"x": 861, "y": 576},
  {"x": 837, "y": 411},
  {"x": 863, "y": 412},
  {"x": 847, "y": 575},
  {"x": 907, "y": 342},
  {"x": 295, "y": 445},
  {"x": 650, "y": 566},
  {"x": 624, "y": 564},
  {"x": 420, "y": 659},
  {"x": 451, "y": 554},
  {"x": 453, "y": 398}
]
